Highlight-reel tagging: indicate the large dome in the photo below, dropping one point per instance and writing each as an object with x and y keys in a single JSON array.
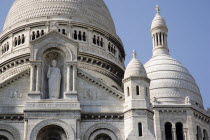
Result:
[
  {"x": 171, "y": 82},
  {"x": 92, "y": 12}
]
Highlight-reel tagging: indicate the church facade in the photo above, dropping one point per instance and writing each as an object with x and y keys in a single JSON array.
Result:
[{"x": 62, "y": 77}]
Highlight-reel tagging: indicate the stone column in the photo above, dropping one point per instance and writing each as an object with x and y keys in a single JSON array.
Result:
[
  {"x": 74, "y": 77},
  {"x": 90, "y": 36},
  {"x": 153, "y": 40},
  {"x": 78, "y": 130},
  {"x": 32, "y": 78},
  {"x": 25, "y": 129},
  {"x": 174, "y": 133},
  {"x": 185, "y": 133},
  {"x": 157, "y": 125},
  {"x": 163, "y": 134},
  {"x": 38, "y": 67},
  {"x": 157, "y": 37},
  {"x": 68, "y": 78},
  {"x": 70, "y": 29}
]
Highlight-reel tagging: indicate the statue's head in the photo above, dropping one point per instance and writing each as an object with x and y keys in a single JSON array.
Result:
[{"x": 54, "y": 63}]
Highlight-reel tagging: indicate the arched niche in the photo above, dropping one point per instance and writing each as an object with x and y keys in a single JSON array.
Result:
[
  {"x": 52, "y": 132},
  {"x": 64, "y": 130},
  {"x": 103, "y": 130},
  {"x": 8, "y": 133},
  {"x": 48, "y": 56}
]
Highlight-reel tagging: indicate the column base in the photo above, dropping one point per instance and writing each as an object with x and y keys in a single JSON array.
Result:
[
  {"x": 71, "y": 95},
  {"x": 34, "y": 95}
]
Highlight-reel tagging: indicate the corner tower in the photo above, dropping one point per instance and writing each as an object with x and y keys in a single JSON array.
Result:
[{"x": 138, "y": 115}]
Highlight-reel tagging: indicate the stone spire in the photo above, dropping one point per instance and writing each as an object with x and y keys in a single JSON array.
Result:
[{"x": 159, "y": 32}]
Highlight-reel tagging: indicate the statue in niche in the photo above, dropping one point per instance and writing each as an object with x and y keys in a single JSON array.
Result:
[{"x": 54, "y": 80}]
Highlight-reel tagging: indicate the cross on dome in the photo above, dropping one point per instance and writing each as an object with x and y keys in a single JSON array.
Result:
[
  {"x": 157, "y": 9},
  {"x": 134, "y": 54}
]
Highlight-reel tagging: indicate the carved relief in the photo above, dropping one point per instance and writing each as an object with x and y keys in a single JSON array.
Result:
[
  {"x": 90, "y": 94},
  {"x": 15, "y": 95}
]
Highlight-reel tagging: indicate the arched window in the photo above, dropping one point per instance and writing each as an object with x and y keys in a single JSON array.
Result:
[
  {"x": 33, "y": 35},
  {"x": 19, "y": 40},
  {"x": 128, "y": 91},
  {"x": 179, "y": 131},
  {"x": 147, "y": 91},
  {"x": 37, "y": 34},
  {"x": 16, "y": 41},
  {"x": 75, "y": 35},
  {"x": 98, "y": 41},
  {"x": 80, "y": 35},
  {"x": 64, "y": 32},
  {"x": 109, "y": 47},
  {"x": 7, "y": 46},
  {"x": 199, "y": 133},
  {"x": 42, "y": 32},
  {"x": 157, "y": 42},
  {"x": 140, "y": 129},
  {"x": 84, "y": 36},
  {"x": 205, "y": 135},
  {"x": 137, "y": 90},
  {"x": 94, "y": 39},
  {"x": 59, "y": 30},
  {"x": 23, "y": 39},
  {"x": 168, "y": 131},
  {"x": 102, "y": 42},
  {"x": 102, "y": 137},
  {"x": 160, "y": 38}
]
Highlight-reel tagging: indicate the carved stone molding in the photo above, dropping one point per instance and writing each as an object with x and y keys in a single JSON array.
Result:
[
  {"x": 12, "y": 130},
  {"x": 101, "y": 127},
  {"x": 68, "y": 129},
  {"x": 111, "y": 90},
  {"x": 14, "y": 78}
]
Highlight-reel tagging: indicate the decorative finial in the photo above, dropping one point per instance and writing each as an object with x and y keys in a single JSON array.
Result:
[
  {"x": 134, "y": 54},
  {"x": 157, "y": 9}
]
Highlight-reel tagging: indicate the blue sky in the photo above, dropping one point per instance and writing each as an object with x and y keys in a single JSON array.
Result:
[{"x": 189, "y": 32}]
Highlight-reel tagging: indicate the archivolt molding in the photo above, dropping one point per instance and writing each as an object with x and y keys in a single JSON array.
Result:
[
  {"x": 12, "y": 130},
  {"x": 103, "y": 127},
  {"x": 98, "y": 83},
  {"x": 13, "y": 64},
  {"x": 15, "y": 77},
  {"x": 68, "y": 130},
  {"x": 13, "y": 73}
]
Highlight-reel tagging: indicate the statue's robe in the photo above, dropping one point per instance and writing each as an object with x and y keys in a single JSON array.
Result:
[{"x": 54, "y": 83}]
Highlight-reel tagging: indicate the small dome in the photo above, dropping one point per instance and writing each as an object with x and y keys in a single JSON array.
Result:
[
  {"x": 158, "y": 21},
  {"x": 171, "y": 82},
  {"x": 135, "y": 68}
]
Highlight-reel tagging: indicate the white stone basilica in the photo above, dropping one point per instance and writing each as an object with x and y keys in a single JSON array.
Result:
[{"x": 62, "y": 77}]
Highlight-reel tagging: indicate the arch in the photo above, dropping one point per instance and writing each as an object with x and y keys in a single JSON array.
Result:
[
  {"x": 103, "y": 136},
  {"x": 137, "y": 90},
  {"x": 54, "y": 122},
  {"x": 198, "y": 133},
  {"x": 68, "y": 54},
  {"x": 102, "y": 128},
  {"x": 205, "y": 135},
  {"x": 9, "y": 132},
  {"x": 140, "y": 129},
  {"x": 168, "y": 131},
  {"x": 179, "y": 131},
  {"x": 52, "y": 132}
]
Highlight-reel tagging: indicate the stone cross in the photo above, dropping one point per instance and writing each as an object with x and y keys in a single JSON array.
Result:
[{"x": 157, "y": 9}]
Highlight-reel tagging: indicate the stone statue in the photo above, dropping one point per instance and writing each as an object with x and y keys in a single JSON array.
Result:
[{"x": 54, "y": 80}]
